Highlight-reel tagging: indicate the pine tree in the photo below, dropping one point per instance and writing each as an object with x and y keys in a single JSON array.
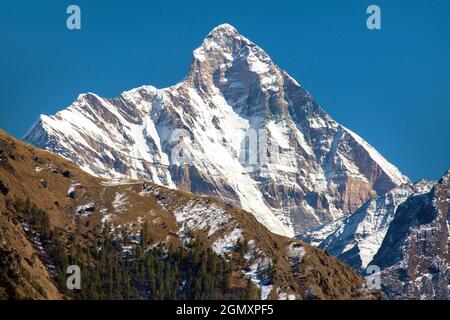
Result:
[
  {"x": 144, "y": 235},
  {"x": 27, "y": 205},
  {"x": 271, "y": 271},
  {"x": 107, "y": 273}
]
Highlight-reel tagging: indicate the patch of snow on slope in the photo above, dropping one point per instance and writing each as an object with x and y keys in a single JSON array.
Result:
[
  {"x": 254, "y": 273},
  {"x": 119, "y": 182},
  {"x": 279, "y": 133},
  {"x": 256, "y": 65},
  {"x": 265, "y": 291},
  {"x": 198, "y": 216},
  {"x": 105, "y": 219},
  {"x": 228, "y": 242},
  {"x": 119, "y": 202},
  {"x": 85, "y": 209},
  {"x": 285, "y": 296},
  {"x": 295, "y": 253},
  {"x": 72, "y": 188}
]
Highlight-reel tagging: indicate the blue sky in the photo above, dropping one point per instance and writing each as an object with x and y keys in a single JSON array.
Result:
[{"x": 391, "y": 86}]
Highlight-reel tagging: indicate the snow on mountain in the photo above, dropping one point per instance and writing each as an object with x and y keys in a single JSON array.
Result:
[
  {"x": 404, "y": 233},
  {"x": 355, "y": 239},
  {"x": 414, "y": 256},
  {"x": 238, "y": 128}
]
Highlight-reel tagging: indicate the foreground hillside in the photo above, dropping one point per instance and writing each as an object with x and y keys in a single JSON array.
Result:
[{"x": 137, "y": 240}]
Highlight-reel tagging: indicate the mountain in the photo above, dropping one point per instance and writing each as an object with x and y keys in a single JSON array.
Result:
[
  {"x": 356, "y": 238},
  {"x": 139, "y": 240},
  {"x": 414, "y": 256},
  {"x": 405, "y": 233},
  {"x": 237, "y": 128}
]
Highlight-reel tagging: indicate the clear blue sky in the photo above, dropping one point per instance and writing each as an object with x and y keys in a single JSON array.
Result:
[{"x": 390, "y": 86}]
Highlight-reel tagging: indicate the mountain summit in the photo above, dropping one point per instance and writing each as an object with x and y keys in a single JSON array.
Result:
[{"x": 238, "y": 128}]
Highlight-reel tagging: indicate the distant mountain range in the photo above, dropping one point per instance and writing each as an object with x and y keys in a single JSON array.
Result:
[{"x": 240, "y": 130}]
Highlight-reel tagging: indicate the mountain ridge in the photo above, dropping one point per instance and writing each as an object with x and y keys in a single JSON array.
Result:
[
  {"x": 403, "y": 235},
  {"x": 308, "y": 169},
  {"x": 83, "y": 210}
]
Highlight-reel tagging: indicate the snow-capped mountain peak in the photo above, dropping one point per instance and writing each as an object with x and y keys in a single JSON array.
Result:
[
  {"x": 224, "y": 28},
  {"x": 238, "y": 128}
]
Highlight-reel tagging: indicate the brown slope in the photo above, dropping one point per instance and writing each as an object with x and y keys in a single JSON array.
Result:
[{"x": 173, "y": 216}]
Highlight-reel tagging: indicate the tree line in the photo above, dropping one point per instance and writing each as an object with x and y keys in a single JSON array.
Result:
[{"x": 112, "y": 269}]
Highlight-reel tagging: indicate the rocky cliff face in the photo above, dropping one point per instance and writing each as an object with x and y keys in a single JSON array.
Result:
[
  {"x": 403, "y": 232},
  {"x": 238, "y": 128},
  {"x": 414, "y": 256},
  {"x": 356, "y": 238}
]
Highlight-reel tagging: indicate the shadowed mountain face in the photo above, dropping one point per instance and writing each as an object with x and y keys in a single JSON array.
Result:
[
  {"x": 238, "y": 128},
  {"x": 53, "y": 214},
  {"x": 414, "y": 256},
  {"x": 405, "y": 233},
  {"x": 356, "y": 238}
]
